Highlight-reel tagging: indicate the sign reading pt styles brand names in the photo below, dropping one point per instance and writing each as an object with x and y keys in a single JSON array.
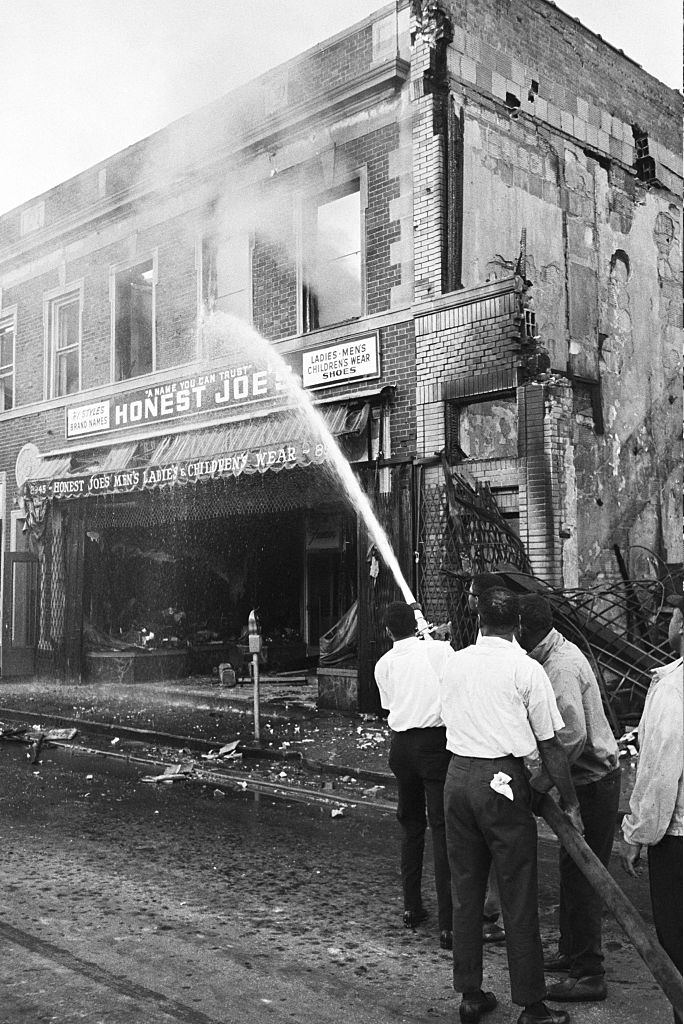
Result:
[
  {"x": 356, "y": 359},
  {"x": 201, "y": 393}
]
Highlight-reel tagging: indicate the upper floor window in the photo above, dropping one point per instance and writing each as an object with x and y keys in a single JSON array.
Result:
[
  {"x": 332, "y": 258},
  {"x": 64, "y": 344},
  {"x": 7, "y": 336},
  {"x": 226, "y": 274},
  {"x": 133, "y": 316}
]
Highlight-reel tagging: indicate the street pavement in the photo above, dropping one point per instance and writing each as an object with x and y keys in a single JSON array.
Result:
[{"x": 207, "y": 900}]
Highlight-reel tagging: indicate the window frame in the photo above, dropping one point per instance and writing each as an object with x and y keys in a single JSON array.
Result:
[
  {"x": 452, "y": 424},
  {"x": 115, "y": 269},
  {"x": 52, "y": 301},
  {"x": 355, "y": 181},
  {"x": 8, "y": 318},
  {"x": 213, "y": 238}
]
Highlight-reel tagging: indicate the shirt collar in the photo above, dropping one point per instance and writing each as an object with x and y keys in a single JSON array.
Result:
[
  {"x": 492, "y": 641},
  {"x": 405, "y": 641},
  {"x": 546, "y": 645}
]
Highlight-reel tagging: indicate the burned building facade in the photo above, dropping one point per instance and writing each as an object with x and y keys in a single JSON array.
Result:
[{"x": 460, "y": 228}]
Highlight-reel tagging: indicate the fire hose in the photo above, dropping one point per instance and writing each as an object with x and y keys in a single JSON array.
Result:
[{"x": 627, "y": 916}]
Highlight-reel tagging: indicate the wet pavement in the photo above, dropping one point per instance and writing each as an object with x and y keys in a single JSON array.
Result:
[
  {"x": 138, "y": 903},
  {"x": 198, "y": 713},
  {"x": 204, "y": 901}
]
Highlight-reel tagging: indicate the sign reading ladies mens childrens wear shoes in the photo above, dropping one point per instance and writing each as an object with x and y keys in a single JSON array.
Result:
[{"x": 355, "y": 359}]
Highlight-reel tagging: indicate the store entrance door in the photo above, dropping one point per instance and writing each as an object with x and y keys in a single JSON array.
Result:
[{"x": 19, "y": 614}]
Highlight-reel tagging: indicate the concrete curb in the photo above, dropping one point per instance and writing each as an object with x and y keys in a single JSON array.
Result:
[{"x": 194, "y": 743}]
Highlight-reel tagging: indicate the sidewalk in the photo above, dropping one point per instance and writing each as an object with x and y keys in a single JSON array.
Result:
[{"x": 199, "y": 714}]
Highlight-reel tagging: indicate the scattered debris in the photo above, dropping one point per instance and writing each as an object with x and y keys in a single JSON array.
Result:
[
  {"x": 173, "y": 773},
  {"x": 373, "y": 791},
  {"x": 218, "y": 794},
  {"x": 337, "y": 812},
  {"x": 228, "y": 752},
  {"x": 64, "y": 734}
]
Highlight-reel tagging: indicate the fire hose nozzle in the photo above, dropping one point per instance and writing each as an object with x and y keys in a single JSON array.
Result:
[{"x": 422, "y": 625}]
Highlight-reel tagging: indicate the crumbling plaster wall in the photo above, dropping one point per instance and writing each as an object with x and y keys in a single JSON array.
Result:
[
  {"x": 603, "y": 256},
  {"x": 512, "y": 181},
  {"x": 629, "y": 481}
]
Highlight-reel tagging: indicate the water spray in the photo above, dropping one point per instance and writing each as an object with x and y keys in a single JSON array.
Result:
[{"x": 224, "y": 326}]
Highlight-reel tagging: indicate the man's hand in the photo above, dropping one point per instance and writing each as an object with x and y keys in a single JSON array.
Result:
[
  {"x": 630, "y": 858},
  {"x": 575, "y": 816}
]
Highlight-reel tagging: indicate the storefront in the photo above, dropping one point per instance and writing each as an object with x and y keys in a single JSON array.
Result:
[{"x": 147, "y": 555}]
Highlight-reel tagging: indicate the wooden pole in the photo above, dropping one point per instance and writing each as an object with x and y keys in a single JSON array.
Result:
[{"x": 634, "y": 926}]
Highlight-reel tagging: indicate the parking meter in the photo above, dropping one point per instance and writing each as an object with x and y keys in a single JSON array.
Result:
[
  {"x": 255, "y": 642},
  {"x": 254, "y": 633}
]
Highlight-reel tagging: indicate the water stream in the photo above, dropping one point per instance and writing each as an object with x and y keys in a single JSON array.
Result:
[{"x": 231, "y": 332}]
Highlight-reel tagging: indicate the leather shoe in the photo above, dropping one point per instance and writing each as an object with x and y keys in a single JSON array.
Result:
[
  {"x": 412, "y": 918},
  {"x": 492, "y": 932},
  {"x": 557, "y": 962},
  {"x": 590, "y": 988},
  {"x": 550, "y": 1017},
  {"x": 472, "y": 1007},
  {"x": 446, "y": 939}
]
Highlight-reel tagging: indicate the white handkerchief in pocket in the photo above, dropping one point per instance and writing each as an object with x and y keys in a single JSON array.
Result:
[{"x": 500, "y": 785}]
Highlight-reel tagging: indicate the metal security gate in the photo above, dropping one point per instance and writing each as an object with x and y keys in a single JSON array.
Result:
[{"x": 60, "y": 547}]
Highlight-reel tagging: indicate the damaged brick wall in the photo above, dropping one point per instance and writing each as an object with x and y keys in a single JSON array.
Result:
[{"x": 551, "y": 114}]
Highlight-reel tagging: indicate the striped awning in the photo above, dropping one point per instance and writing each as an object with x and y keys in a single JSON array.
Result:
[{"x": 273, "y": 443}]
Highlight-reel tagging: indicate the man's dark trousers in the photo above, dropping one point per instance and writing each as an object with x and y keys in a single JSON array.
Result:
[
  {"x": 580, "y": 908},
  {"x": 419, "y": 760},
  {"x": 482, "y": 826},
  {"x": 665, "y": 880}
]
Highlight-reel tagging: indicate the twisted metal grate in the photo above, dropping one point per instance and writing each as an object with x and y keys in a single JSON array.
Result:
[{"x": 461, "y": 532}]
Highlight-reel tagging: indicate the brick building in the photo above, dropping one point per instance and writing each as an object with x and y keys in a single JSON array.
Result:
[{"x": 461, "y": 229}]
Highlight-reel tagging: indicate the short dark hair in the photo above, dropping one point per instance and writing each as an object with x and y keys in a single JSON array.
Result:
[
  {"x": 400, "y": 619},
  {"x": 498, "y": 608},
  {"x": 485, "y": 581},
  {"x": 536, "y": 616}
]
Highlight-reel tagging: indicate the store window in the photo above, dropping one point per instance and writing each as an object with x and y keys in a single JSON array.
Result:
[
  {"x": 134, "y": 313},
  {"x": 7, "y": 345},
  {"x": 332, "y": 258},
  {"x": 64, "y": 344},
  {"x": 226, "y": 275}
]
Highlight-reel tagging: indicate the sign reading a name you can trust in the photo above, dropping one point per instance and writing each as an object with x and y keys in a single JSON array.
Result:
[{"x": 355, "y": 359}]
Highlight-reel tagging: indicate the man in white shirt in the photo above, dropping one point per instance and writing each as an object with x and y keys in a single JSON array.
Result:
[
  {"x": 409, "y": 688},
  {"x": 656, "y": 807},
  {"x": 498, "y": 706}
]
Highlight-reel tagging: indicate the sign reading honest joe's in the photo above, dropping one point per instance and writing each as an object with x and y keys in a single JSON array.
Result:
[{"x": 201, "y": 393}]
